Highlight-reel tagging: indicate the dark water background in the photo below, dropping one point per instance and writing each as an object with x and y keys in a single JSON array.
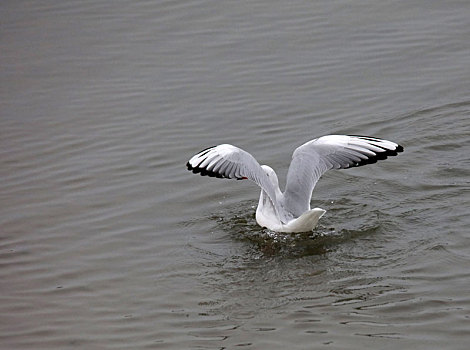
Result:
[{"x": 107, "y": 242}]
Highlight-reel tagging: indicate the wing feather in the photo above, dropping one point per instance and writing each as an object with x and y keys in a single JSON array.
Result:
[
  {"x": 231, "y": 162},
  {"x": 311, "y": 160}
]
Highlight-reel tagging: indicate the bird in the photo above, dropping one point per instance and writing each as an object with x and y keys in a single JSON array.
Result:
[{"x": 289, "y": 211}]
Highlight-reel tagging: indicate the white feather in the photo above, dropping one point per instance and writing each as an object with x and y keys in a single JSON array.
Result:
[{"x": 289, "y": 211}]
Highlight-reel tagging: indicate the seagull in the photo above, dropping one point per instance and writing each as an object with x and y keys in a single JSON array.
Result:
[{"x": 290, "y": 211}]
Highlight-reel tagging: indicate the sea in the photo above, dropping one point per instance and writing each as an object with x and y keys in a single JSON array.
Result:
[{"x": 108, "y": 242}]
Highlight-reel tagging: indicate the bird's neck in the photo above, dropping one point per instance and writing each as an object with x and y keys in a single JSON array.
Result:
[{"x": 266, "y": 210}]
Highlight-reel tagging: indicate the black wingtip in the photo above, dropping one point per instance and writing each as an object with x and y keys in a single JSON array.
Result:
[
  {"x": 203, "y": 171},
  {"x": 367, "y": 138},
  {"x": 378, "y": 155}
]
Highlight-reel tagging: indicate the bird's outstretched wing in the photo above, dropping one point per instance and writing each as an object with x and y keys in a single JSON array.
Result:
[
  {"x": 227, "y": 161},
  {"x": 311, "y": 160}
]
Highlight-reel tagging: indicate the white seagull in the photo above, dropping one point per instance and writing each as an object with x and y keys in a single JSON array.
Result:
[{"x": 289, "y": 211}]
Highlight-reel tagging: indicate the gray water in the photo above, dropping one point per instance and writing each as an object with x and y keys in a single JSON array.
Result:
[{"x": 108, "y": 242}]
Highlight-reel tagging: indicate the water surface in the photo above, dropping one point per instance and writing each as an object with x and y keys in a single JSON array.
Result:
[{"x": 106, "y": 241}]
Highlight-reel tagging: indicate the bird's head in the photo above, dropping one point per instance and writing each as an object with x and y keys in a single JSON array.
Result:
[{"x": 271, "y": 175}]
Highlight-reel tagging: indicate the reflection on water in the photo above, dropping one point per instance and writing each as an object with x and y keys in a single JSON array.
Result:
[
  {"x": 311, "y": 274},
  {"x": 241, "y": 225}
]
